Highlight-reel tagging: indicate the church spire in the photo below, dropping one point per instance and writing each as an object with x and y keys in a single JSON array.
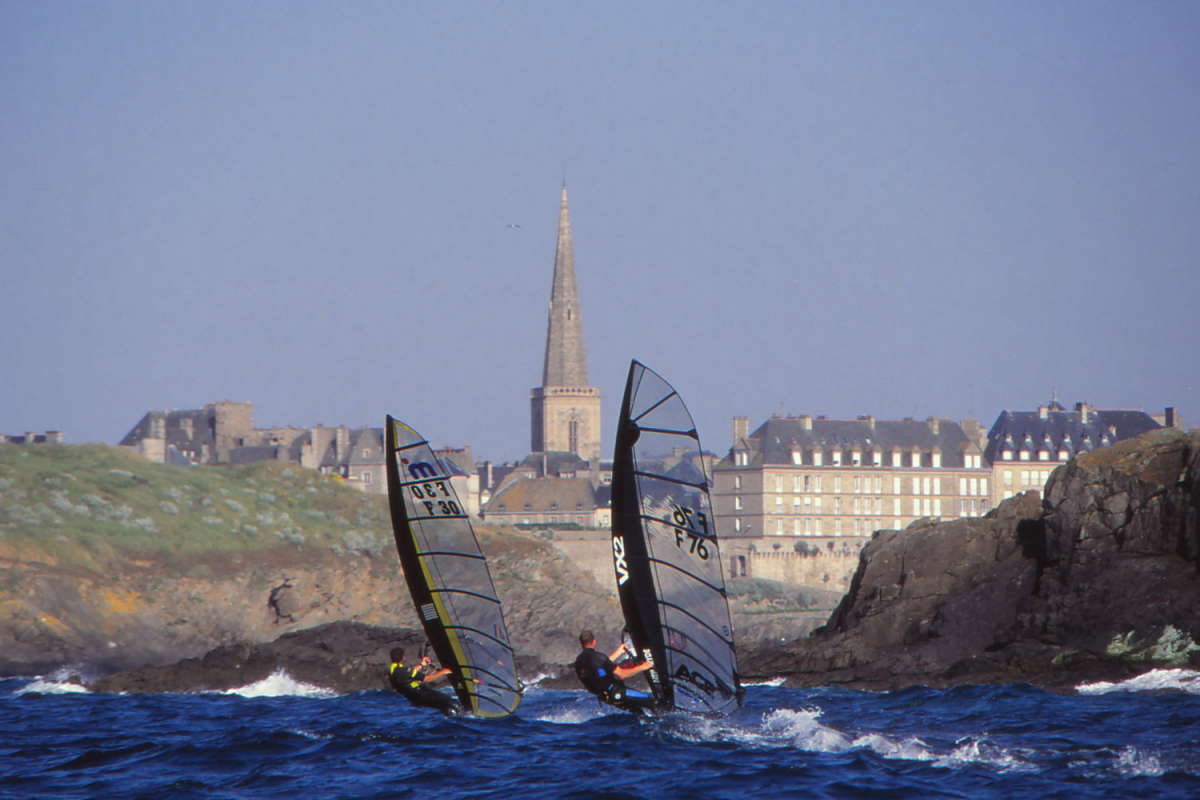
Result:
[
  {"x": 566, "y": 362},
  {"x": 565, "y": 411}
]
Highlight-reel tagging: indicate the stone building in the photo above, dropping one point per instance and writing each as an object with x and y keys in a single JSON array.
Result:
[
  {"x": 224, "y": 433},
  {"x": 1024, "y": 447},
  {"x": 562, "y": 481},
  {"x": 832, "y": 483},
  {"x": 552, "y": 489},
  {"x": 29, "y": 437}
]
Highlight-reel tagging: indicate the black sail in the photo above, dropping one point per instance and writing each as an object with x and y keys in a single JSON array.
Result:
[
  {"x": 448, "y": 577},
  {"x": 668, "y": 567}
]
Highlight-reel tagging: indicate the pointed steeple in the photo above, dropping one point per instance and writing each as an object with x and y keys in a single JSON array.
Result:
[
  {"x": 565, "y": 411},
  {"x": 566, "y": 361}
]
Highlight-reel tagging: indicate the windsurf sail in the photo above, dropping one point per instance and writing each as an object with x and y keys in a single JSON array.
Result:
[
  {"x": 669, "y": 574},
  {"x": 447, "y": 576}
]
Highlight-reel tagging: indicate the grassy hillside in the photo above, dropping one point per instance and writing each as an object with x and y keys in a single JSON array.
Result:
[{"x": 84, "y": 505}]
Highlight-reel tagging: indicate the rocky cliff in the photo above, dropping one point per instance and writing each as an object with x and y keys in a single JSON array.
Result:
[
  {"x": 1097, "y": 581},
  {"x": 110, "y": 562}
]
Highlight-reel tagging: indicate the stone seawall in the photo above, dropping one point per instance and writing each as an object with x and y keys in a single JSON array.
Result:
[{"x": 828, "y": 564}]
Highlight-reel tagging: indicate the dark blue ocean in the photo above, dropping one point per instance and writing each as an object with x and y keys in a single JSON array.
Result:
[{"x": 283, "y": 739}]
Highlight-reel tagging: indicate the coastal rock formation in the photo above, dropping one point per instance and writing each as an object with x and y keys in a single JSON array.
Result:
[{"x": 1097, "y": 581}]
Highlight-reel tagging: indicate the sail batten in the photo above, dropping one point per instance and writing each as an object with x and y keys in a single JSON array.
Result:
[
  {"x": 447, "y": 576},
  {"x": 665, "y": 551}
]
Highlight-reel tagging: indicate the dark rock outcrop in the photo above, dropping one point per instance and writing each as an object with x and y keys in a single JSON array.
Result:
[
  {"x": 1098, "y": 581},
  {"x": 342, "y": 656}
]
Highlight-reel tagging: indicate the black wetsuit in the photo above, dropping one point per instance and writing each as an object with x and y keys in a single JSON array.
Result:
[
  {"x": 597, "y": 673},
  {"x": 410, "y": 683}
]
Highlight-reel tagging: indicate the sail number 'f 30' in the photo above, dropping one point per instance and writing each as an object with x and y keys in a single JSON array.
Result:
[{"x": 430, "y": 495}]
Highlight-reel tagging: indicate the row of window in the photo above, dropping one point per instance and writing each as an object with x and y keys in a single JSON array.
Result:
[
  {"x": 1030, "y": 478},
  {"x": 1043, "y": 455},
  {"x": 863, "y": 484}
]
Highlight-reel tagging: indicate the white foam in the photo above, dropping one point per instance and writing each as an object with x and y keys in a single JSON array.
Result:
[
  {"x": 1156, "y": 680},
  {"x": 972, "y": 751},
  {"x": 768, "y": 682},
  {"x": 911, "y": 749},
  {"x": 536, "y": 679},
  {"x": 1133, "y": 763},
  {"x": 280, "y": 684},
  {"x": 50, "y": 686},
  {"x": 575, "y": 714},
  {"x": 801, "y": 729}
]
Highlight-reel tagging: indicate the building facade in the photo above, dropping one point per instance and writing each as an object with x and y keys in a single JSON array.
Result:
[
  {"x": 1024, "y": 447},
  {"x": 29, "y": 437},
  {"x": 816, "y": 478}
]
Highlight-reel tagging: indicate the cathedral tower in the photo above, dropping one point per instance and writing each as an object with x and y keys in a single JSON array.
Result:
[{"x": 565, "y": 410}]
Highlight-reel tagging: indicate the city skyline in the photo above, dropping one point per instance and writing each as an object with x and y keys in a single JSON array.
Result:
[{"x": 338, "y": 213}]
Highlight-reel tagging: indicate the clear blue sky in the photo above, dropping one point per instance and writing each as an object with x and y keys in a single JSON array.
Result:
[{"x": 899, "y": 209}]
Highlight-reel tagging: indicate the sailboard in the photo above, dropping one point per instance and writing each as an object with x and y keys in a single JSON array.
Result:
[
  {"x": 447, "y": 576},
  {"x": 668, "y": 566}
]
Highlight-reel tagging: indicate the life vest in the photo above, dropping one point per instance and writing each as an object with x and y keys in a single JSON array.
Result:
[{"x": 415, "y": 681}]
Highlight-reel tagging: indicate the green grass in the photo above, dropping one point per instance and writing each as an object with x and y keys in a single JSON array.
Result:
[{"x": 80, "y": 504}]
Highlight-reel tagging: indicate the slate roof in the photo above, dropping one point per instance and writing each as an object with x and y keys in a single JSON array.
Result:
[
  {"x": 546, "y": 496},
  {"x": 776, "y": 439},
  {"x": 366, "y": 447},
  {"x": 1060, "y": 429},
  {"x": 176, "y": 434},
  {"x": 554, "y": 463}
]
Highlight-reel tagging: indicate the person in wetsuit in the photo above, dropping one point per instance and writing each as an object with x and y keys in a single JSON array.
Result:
[
  {"x": 602, "y": 677},
  {"x": 414, "y": 684}
]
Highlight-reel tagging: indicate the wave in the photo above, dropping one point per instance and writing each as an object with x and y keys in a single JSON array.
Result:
[
  {"x": 803, "y": 730},
  {"x": 280, "y": 684},
  {"x": 769, "y": 682},
  {"x": 1183, "y": 680},
  {"x": 49, "y": 685}
]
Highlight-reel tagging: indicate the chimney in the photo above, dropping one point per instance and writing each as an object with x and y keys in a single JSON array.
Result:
[
  {"x": 1043, "y": 412},
  {"x": 55, "y": 437},
  {"x": 342, "y": 444},
  {"x": 1169, "y": 417},
  {"x": 867, "y": 418},
  {"x": 806, "y": 422},
  {"x": 933, "y": 425},
  {"x": 1084, "y": 412},
  {"x": 741, "y": 429}
]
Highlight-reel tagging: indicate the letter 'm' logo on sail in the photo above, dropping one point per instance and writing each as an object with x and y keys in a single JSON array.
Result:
[
  {"x": 422, "y": 469},
  {"x": 619, "y": 560}
]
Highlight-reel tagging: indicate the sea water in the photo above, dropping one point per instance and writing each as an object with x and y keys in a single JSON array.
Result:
[{"x": 282, "y": 738}]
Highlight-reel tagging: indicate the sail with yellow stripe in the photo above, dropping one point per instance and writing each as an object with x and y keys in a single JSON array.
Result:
[{"x": 447, "y": 576}]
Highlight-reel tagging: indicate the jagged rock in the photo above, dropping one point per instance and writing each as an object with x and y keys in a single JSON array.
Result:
[
  {"x": 1097, "y": 581},
  {"x": 343, "y": 656}
]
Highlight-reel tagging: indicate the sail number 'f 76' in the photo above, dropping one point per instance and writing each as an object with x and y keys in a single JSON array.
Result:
[{"x": 684, "y": 526}]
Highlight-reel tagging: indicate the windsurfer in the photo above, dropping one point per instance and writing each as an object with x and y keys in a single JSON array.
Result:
[
  {"x": 602, "y": 677},
  {"x": 414, "y": 684}
]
